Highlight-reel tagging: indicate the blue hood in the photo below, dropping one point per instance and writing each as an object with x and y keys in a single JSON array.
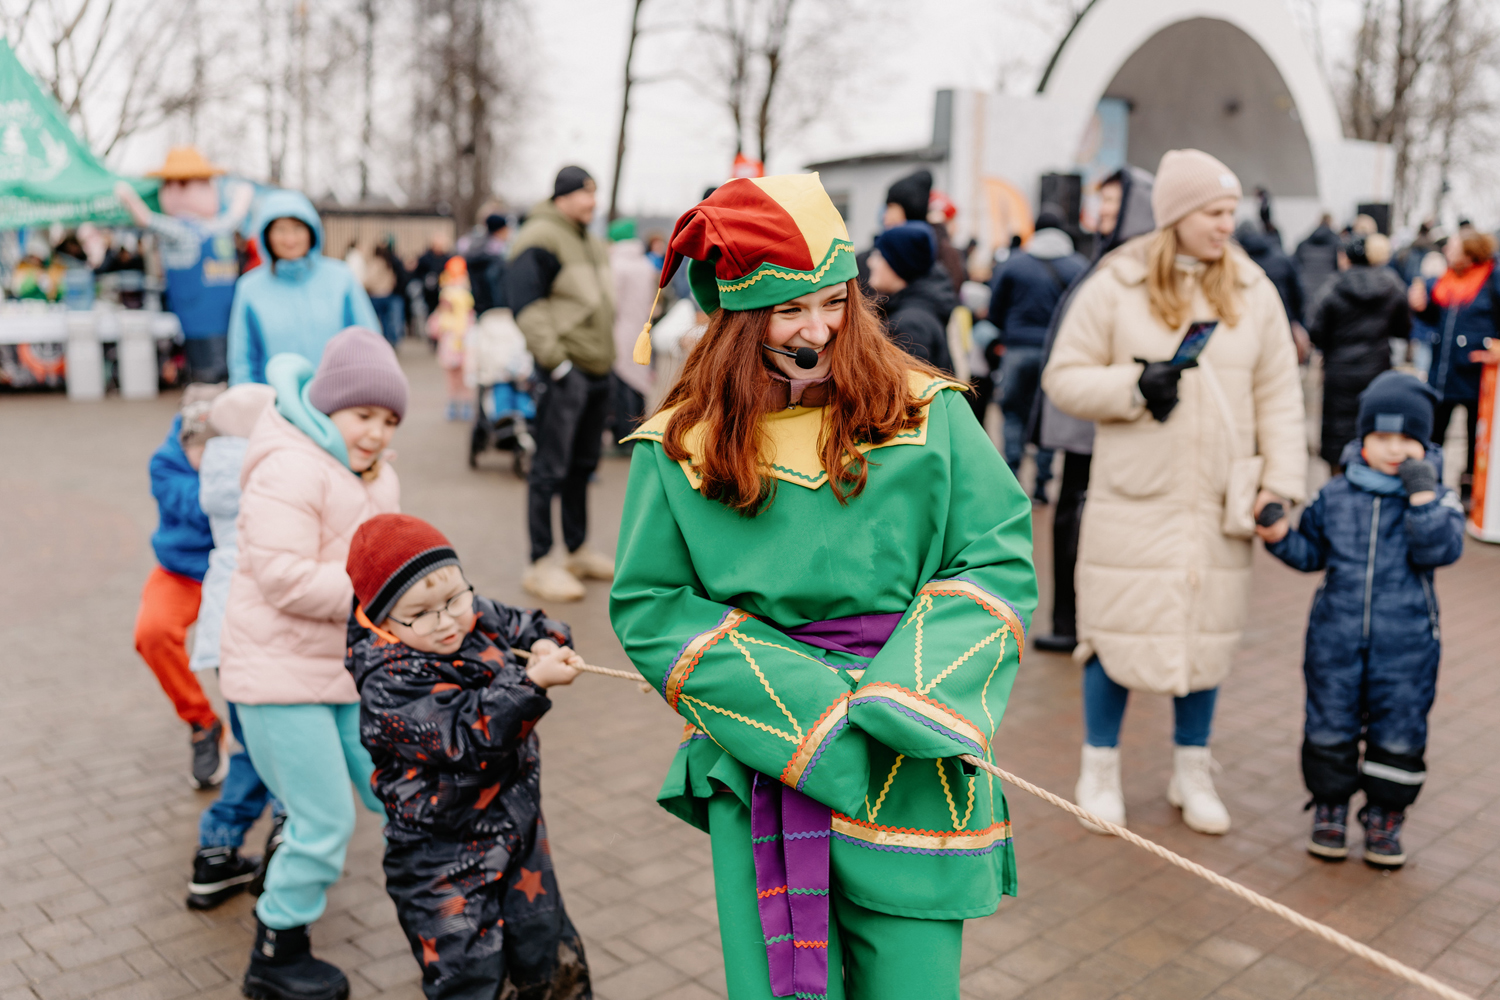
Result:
[
  {"x": 291, "y": 376},
  {"x": 282, "y": 204}
]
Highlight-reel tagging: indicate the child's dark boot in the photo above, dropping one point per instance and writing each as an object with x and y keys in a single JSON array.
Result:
[
  {"x": 282, "y": 968},
  {"x": 1330, "y": 831},
  {"x": 1383, "y": 836},
  {"x": 273, "y": 840},
  {"x": 218, "y": 874}
]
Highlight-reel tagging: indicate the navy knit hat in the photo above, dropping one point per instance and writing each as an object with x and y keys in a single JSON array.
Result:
[
  {"x": 908, "y": 249},
  {"x": 1399, "y": 403}
]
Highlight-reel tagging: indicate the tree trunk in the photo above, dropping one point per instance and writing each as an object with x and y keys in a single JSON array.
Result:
[
  {"x": 614, "y": 184},
  {"x": 367, "y": 132}
]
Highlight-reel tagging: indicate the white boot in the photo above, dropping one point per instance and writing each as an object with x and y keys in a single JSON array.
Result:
[
  {"x": 586, "y": 564},
  {"x": 550, "y": 580},
  {"x": 1192, "y": 790},
  {"x": 1098, "y": 788}
]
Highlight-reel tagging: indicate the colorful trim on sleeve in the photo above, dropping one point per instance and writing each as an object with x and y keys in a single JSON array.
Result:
[
  {"x": 932, "y": 714},
  {"x": 959, "y": 587},
  {"x": 821, "y": 735},
  {"x": 908, "y": 841},
  {"x": 692, "y": 652}
]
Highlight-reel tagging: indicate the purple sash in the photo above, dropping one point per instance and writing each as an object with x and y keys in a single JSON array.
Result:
[{"x": 789, "y": 838}]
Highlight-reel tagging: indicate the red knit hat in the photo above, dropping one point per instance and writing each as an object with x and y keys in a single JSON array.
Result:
[{"x": 389, "y": 553}]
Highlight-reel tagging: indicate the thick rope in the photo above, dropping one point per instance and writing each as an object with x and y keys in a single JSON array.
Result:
[
  {"x": 1378, "y": 959},
  {"x": 1250, "y": 896}
]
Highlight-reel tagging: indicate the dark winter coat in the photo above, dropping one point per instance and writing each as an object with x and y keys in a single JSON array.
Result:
[
  {"x": 1318, "y": 258},
  {"x": 1026, "y": 293},
  {"x": 451, "y": 735},
  {"x": 917, "y": 318},
  {"x": 1266, "y": 251},
  {"x": 1352, "y": 325},
  {"x": 1461, "y": 329},
  {"x": 1376, "y": 604},
  {"x": 182, "y": 539}
]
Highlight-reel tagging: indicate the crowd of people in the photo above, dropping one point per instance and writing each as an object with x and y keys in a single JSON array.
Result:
[{"x": 749, "y": 386}]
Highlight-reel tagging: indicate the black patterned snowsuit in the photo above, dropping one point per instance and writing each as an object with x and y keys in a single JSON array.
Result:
[{"x": 456, "y": 763}]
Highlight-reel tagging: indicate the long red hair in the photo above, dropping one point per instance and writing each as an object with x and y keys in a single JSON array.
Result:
[{"x": 723, "y": 384}]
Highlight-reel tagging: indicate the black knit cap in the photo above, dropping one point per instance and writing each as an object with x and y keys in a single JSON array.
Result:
[
  {"x": 912, "y": 193},
  {"x": 1399, "y": 403},
  {"x": 569, "y": 179}
]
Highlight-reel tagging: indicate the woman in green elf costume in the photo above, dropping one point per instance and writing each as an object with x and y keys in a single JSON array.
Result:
[{"x": 825, "y": 568}]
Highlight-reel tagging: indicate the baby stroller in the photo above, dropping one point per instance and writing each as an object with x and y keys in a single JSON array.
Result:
[{"x": 497, "y": 363}]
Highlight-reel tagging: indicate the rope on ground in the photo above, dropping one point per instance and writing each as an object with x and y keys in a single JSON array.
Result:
[{"x": 1323, "y": 931}]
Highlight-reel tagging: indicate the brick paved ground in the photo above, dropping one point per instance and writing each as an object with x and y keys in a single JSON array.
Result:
[{"x": 97, "y": 823}]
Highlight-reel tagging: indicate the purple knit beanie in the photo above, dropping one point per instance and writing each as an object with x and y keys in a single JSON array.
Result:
[{"x": 359, "y": 368}]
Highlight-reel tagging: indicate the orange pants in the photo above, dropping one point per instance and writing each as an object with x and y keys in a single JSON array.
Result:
[{"x": 169, "y": 604}]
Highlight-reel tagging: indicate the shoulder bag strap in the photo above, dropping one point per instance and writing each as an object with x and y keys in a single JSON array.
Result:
[{"x": 1216, "y": 390}]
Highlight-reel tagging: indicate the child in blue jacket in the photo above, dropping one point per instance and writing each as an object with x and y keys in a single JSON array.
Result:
[
  {"x": 169, "y": 601},
  {"x": 1373, "y": 642}
]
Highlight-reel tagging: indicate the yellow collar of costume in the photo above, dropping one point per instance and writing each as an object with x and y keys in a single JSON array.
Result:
[{"x": 790, "y": 436}]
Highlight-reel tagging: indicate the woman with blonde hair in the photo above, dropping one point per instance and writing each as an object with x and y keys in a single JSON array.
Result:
[{"x": 1187, "y": 451}]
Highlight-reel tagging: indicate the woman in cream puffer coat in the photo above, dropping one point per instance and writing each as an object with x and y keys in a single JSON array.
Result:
[{"x": 1162, "y": 590}]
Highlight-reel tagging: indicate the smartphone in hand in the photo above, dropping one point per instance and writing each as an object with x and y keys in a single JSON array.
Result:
[{"x": 1194, "y": 341}]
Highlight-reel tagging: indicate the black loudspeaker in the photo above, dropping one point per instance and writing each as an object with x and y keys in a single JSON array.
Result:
[
  {"x": 1380, "y": 211},
  {"x": 1065, "y": 191}
]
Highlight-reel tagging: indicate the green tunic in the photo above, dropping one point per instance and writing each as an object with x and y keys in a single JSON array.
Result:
[{"x": 942, "y": 535}]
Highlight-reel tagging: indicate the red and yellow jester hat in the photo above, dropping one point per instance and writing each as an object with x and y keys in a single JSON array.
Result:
[{"x": 758, "y": 242}]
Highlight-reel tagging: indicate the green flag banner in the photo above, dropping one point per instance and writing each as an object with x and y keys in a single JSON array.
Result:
[{"x": 46, "y": 174}]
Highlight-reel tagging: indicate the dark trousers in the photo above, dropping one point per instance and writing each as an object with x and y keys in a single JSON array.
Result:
[
  {"x": 570, "y": 419},
  {"x": 1381, "y": 701},
  {"x": 627, "y": 408},
  {"x": 1066, "y": 521},
  {"x": 1020, "y": 379},
  {"x": 207, "y": 358},
  {"x": 1442, "y": 415},
  {"x": 484, "y": 922}
]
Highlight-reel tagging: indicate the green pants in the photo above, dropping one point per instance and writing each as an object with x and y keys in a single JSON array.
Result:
[{"x": 882, "y": 957}]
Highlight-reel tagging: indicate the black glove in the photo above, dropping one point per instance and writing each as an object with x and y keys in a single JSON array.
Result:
[
  {"x": 1158, "y": 384},
  {"x": 1417, "y": 476},
  {"x": 1270, "y": 514}
]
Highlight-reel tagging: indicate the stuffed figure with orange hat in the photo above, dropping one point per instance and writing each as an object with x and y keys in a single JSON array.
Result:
[
  {"x": 824, "y": 567},
  {"x": 196, "y": 236}
]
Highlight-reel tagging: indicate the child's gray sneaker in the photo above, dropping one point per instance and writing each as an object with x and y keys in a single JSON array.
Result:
[{"x": 210, "y": 762}]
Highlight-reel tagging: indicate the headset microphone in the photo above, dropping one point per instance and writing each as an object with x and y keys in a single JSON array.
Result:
[{"x": 806, "y": 357}]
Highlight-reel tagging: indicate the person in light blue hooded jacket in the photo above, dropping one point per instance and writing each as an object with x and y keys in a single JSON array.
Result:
[{"x": 298, "y": 299}]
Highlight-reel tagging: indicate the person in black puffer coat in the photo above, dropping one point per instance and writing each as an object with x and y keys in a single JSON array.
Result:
[
  {"x": 447, "y": 712},
  {"x": 918, "y": 295},
  {"x": 1318, "y": 258},
  {"x": 1373, "y": 647},
  {"x": 1352, "y": 325},
  {"x": 1266, "y": 251}
]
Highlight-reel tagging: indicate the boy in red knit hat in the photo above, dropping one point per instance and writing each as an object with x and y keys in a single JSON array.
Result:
[{"x": 447, "y": 711}]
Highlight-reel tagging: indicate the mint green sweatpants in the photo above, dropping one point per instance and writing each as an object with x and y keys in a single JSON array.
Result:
[
  {"x": 871, "y": 955},
  {"x": 307, "y": 755}
]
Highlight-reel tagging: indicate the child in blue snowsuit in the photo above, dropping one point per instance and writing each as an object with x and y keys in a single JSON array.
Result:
[{"x": 1373, "y": 642}]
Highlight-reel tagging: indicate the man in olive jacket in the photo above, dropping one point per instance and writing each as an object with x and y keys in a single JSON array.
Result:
[{"x": 560, "y": 290}]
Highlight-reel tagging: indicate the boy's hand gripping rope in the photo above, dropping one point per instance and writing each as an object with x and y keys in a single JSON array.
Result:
[
  {"x": 1344, "y": 941},
  {"x": 1250, "y": 896}
]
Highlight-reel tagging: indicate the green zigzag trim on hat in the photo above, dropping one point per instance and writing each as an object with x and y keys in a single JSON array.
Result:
[{"x": 771, "y": 285}]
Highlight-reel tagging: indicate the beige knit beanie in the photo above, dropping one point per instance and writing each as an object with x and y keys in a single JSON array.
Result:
[{"x": 1186, "y": 180}]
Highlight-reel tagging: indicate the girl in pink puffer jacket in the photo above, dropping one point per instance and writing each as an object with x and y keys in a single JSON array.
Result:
[{"x": 315, "y": 470}]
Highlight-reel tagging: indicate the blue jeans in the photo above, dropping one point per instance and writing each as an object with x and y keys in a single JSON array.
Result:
[
  {"x": 1104, "y": 710},
  {"x": 1021, "y": 374},
  {"x": 392, "y": 312},
  {"x": 242, "y": 798}
]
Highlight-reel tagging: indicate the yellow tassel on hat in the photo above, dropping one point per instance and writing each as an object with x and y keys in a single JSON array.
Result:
[{"x": 641, "y": 355}]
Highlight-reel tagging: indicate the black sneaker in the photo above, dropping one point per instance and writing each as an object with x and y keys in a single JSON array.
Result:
[
  {"x": 1383, "y": 836},
  {"x": 1329, "y": 831},
  {"x": 210, "y": 762},
  {"x": 218, "y": 873},
  {"x": 282, "y": 968},
  {"x": 273, "y": 840}
]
